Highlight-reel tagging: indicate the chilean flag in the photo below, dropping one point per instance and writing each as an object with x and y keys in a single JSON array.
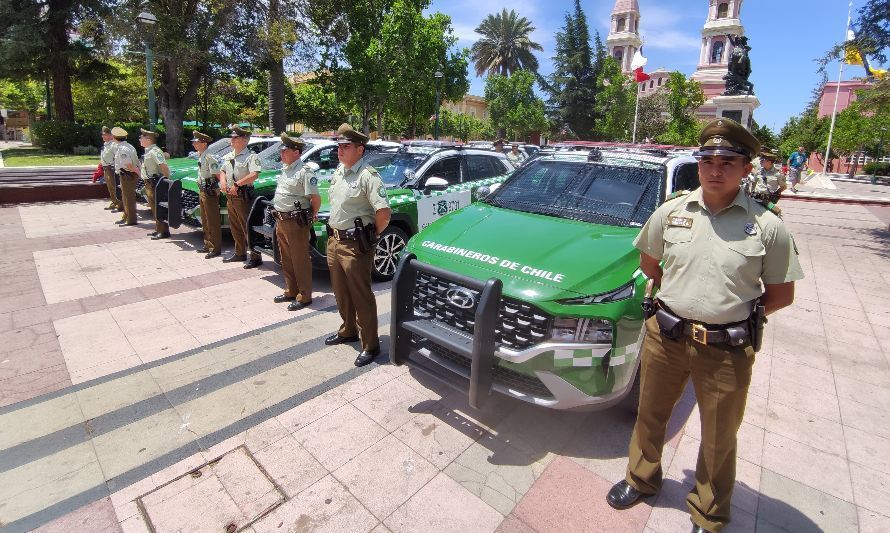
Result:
[{"x": 637, "y": 64}]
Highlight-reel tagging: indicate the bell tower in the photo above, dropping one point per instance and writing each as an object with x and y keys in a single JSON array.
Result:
[
  {"x": 723, "y": 19},
  {"x": 624, "y": 33}
]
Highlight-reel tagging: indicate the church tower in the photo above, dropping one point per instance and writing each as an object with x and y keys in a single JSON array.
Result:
[
  {"x": 723, "y": 19},
  {"x": 624, "y": 34}
]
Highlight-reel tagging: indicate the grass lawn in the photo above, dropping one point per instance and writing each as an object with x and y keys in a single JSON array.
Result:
[{"x": 38, "y": 157}]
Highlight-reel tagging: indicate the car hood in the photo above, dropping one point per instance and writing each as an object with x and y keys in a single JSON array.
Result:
[{"x": 534, "y": 255}]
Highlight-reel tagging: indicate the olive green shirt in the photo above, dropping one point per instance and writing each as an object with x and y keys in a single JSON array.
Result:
[
  {"x": 107, "y": 155},
  {"x": 770, "y": 180},
  {"x": 516, "y": 159},
  {"x": 125, "y": 155},
  {"x": 152, "y": 161},
  {"x": 296, "y": 184},
  {"x": 208, "y": 166},
  {"x": 355, "y": 191},
  {"x": 236, "y": 166},
  {"x": 714, "y": 263}
]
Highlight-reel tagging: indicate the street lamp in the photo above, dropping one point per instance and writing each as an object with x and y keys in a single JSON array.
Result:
[
  {"x": 438, "y": 75},
  {"x": 149, "y": 20}
]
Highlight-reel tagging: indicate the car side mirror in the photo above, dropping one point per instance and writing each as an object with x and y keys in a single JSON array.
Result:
[
  {"x": 410, "y": 175},
  {"x": 434, "y": 184},
  {"x": 483, "y": 191}
]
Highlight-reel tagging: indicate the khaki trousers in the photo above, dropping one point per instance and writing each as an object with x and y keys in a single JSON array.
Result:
[
  {"x": 239, "y": 209},
  {"x": 210, "y": 220},
  {"x": 149, "y": 189},
  {"x": 111, "y": 183},
  {"x": 128, "y": 194},
  {"x": 351, "y": 279},
  {"x": 293, "y": 243},
  {"x": 720, "y": 375}
]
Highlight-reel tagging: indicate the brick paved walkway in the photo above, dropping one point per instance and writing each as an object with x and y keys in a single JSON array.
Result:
[{"x": 146, "y": 385}]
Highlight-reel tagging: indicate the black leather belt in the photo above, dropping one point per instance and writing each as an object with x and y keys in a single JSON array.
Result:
[
  {"x": 342, "y": 235},
  {"x": 703, "y": 333}
]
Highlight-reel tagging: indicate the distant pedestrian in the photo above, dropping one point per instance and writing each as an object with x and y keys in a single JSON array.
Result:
[
  {"x": 154, "y": 167},
  {"x": 797, "y": 163},
  {"x": 208, "y": 185},
  {"x": 107, "y": 161},
  {"x": 126, "y": 165}
]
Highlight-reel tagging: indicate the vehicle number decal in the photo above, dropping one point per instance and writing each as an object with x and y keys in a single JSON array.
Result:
[{"x": 433, "y": 207}]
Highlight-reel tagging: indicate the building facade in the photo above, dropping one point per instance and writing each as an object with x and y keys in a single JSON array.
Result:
[
  {"x": 470, "y": 105},
  {"x": 624, "y": 39}
]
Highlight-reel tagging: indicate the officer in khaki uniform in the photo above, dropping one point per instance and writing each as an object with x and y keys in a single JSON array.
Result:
[
  {"x": 126, "y": 166},
  {"x": 717, "y": 245},
  {"x": 356, "y": 191},
  {"x": 295, "y": 205},
  {"x": 208, "y": 196},
  {"x": 768, "y": 181},
  {"x": 154, "y": 167},
  {"x": 240, "y": 168},
  {"x": 107, "y": 159}
]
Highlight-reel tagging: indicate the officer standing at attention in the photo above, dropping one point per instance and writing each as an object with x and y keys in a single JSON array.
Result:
[
  {"x": 295, "y": 205},
  {"x": 356, "y": 192},
  {"x": 126, "y": 165},
  {"x": 240, "y": 168},
  {"x": 717, "y": 245},
  {"x": 208, "y": 197},
  {"x": 770, "y": 182},
  {"x": 107, "y": 159},
  {"x": 154, "y": 167}
]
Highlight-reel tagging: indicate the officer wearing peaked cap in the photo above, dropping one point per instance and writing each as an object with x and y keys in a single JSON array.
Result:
[
  {"x": 356, "y": 193},
  {"x": 727, "y": 262},
  {"x": 767, "y": 182},
  {"x": 240, "y": 169},
  {"x": 154, "y": 167},
  {"x": 107, "y": 159},
  {"x": 126, "y": 166},
  {"x": 295, "y": 205},
  {"x": 208, "y": 196}
]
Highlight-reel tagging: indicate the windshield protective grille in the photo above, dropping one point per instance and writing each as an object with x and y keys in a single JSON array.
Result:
[{"x": 617, "y": 195}]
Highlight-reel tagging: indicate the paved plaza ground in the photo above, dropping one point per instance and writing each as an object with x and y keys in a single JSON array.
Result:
[{"x": 143, "y": 388}]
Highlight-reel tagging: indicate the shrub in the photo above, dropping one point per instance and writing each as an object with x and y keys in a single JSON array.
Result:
[
  {"x": 876, "y": 168},
  {"x": 64, "y": 136},
  {"x": 86, "y": 150}
]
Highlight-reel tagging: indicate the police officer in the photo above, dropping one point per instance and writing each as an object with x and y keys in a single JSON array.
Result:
[
  {"x": 769, "y": 182},
  {"x": 107, "y": 160},
  {"x": 295, "y": 205},
  {"x": 717, "y": 246},
  {"x": 515, "y": 156},
  {"x": 154, "y": 167},
  {"x": 356, "y": 191},
  {"x": 126, "y": 165},
  {"x": 499, "y": 146},
  {"x": 240, "y": 169},
  {"x": 208, "y": 196}
]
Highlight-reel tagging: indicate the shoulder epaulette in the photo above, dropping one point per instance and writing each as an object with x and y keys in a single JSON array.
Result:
[
  {"x": 771, "y": 207},
  {"x": 676, "y": 194}
]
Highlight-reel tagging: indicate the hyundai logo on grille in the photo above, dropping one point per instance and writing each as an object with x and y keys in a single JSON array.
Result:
[{"x": 461, "y": 298}]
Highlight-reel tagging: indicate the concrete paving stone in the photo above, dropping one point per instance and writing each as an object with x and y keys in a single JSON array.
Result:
[
  {"x": 202, "y": 418},
  {"x": 670, "y": 514},
  {"x": 496, "y": 473},
  {"x": 760, "y": 375},
  {"x": 31, "y": 385},
  {"x": 786, "y": 505},
  {"x": 179, "y": 469},
  {"x": 490, "y": 415},
  {"x": 313, "y": 409},
  {"x": 785, "y": 322},
  {"x": 134, "y": 524},
  {"x": 31, "y": 317},
  {"x": 290, "y": 466},
  {"x": 446, "y": 507},
  {"x": 430, "y": 387},
  {"x": 871, "y": 522},
  {"x": 804, "y": 398},
  {"x": 23, "y": 300},
  {"x": 808, "y": 465},
  {"x": 97, "y": 516},
  {"x": 27, "y": 489},
  {"x": 809, "y": 376},
  {"x": 870, "y": 488},
  {"x": 6, "y": 323},
  {"x": 338, "y": 437},
  {"x": 879, "y": 319},
  {"x": 38, "y": 420},
  {"x": 852, "y": 340},
  {"x": 537, "y": 431},
  {"x": 568, "y": 497},
  {"x": 324, "y": 507},
  {"x": 62, "y": 310},
  {"x": 840, "y": 298},
  {"x": 25, "y": 337},
  {"x": 872, "y": 372},
  {"x": 256, "y": 438},
  {"x": 793, "y": 423},
  {"x": 851, "y": 389},
  {"x": 124, "y": 500},
  {"x": 865, "y": 417},
  {"x": 512, "y": 524},
  {"x": 104, "y": 369},
  {"x": 252, "y": 491},
  {"x": 438, "y": 434},
  {"x": 391, "y": 405},
  {"x": 755, "y": 411},
  {"x": 31, "y": 359},
  {"x": 385, "y": 475},
  {"x": 864, "y": 447}
]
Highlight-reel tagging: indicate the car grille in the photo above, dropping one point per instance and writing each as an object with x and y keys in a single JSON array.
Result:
[
  {"x": 519, "y": 325},
  {"x": 140, "y": 184},
  {"x": 504, "y": 377},
  {"x": 189, "y": 200}
]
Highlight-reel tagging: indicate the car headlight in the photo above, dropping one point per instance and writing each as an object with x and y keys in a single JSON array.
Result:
[
  {"x": 586, "y": 330},
  {"x": 621, "y": 293}
]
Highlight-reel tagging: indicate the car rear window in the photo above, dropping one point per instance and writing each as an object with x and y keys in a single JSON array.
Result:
[{"x": 593, "y": 192}]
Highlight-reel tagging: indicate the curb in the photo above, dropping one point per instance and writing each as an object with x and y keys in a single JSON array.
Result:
[{"x": 856, "y": 200}]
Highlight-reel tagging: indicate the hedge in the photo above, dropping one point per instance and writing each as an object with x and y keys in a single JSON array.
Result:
[
  {"x": 876, "y": 168},
  {"x": 64, "y": 136}
]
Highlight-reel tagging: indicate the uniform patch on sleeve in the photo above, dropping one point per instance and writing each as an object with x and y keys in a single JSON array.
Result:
[
  {"x": 313, "y": 181},
  {"x": 680, "y": 222},
  {"x": 382, "y": 192}
]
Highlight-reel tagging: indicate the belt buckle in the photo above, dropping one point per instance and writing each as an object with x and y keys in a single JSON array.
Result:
[{"x": 699, "y": 333}]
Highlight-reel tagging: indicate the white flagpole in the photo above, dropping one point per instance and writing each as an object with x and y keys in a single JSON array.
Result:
[
  {"x": 837, "y": 93},
  {"x": 636, "y": 113}
]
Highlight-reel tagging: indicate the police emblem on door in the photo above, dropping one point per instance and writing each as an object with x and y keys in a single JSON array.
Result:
[{"x": 442, "y": 208}]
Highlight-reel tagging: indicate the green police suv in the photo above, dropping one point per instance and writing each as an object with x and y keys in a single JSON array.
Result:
[{"x": 535, "y": 290}]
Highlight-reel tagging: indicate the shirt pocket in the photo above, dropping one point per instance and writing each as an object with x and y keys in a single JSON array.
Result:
[
  {"x": 743, "y": 259},
  {"x": 677, "y": 235},
  {"x": 352, "y": 192}
]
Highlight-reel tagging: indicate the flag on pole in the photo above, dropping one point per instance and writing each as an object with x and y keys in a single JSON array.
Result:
[
  {"x": 851, "y": 53},
  {"x": 637, "y": 64}
]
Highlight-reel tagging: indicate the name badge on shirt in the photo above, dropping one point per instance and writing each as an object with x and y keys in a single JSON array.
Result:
[{"x": 680, "y": 222}]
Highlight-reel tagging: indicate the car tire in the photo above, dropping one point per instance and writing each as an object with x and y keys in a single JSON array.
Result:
[{"x": 389, "y": 249}]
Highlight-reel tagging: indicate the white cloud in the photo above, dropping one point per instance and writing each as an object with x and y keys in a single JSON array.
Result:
[{"x": 671, "y": 40}]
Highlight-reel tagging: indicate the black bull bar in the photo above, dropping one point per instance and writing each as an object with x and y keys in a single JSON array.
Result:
[
  {"x": 168, "y": 201},
  {"x": 479, "y": 349}
]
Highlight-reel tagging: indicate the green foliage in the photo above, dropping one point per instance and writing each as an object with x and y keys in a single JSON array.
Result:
[
  {"x": 767, "y": 138},
  {"x": 506, "y": 45},
  {"x": 513, "y": 106},
  {"x": 464, "y": 127},
  {"x": 64, "y": 136},
  {"x": 615, "y": 102},
  {"x": 683, "y": 98},
  {"x": 877, "y": 169},
  {"x": 805, "y": 130},
  {"x": 316, "y": 106},
  {"x": 26, "y": 94},
  {"x": 85, "y": 150},
  {"x": 652, "y": 120},
  {"x": 118, "y": 96}
]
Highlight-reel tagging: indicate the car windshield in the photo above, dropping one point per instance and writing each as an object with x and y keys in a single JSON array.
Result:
[
  {"x": 392, "y": 165},
  {"x": 270, "y": 158},
  {"x": 220, "y": 148},
  {"x": 600, "y": 193}
]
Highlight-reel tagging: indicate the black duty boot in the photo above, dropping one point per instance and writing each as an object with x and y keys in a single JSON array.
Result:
[
  {"x": 622, "y": 495},
  {"x": 337, "y": 339},
  {"x": 367, "y": 356}
]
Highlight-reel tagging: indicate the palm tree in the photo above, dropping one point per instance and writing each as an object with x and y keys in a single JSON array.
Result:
[{"x": 505, "y": 46}]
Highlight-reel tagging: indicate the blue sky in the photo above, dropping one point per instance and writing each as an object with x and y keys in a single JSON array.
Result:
[{"x": 786, "y": 37}]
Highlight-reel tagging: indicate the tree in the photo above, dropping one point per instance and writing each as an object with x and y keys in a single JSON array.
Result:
[
  {"x": 513, "y": 106},
  {"x": 767, "y": 138},
  {"x": 317, "y": 106},
  {"x": 873, "y": 29},
  {"x": 615, "y": 102},
  {"x": 464, "y": 127},
  {"x": 118, "y": 96},
  {"x": 683, "y": 98},
  {"x": 653, "y": 117},
  {"x": 506, "y": 45}
]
